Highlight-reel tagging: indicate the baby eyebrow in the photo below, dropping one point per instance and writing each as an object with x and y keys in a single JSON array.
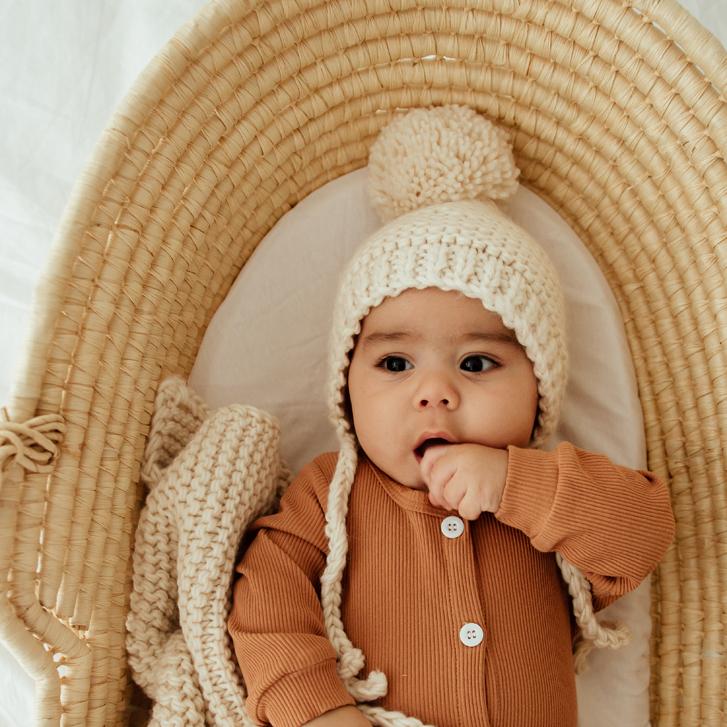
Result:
[{"x": 474, "y": 336}]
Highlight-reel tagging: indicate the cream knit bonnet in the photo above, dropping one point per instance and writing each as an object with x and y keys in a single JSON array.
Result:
[{"x": 433, "y": 174}]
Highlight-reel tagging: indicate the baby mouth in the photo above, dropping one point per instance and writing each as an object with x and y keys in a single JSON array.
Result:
[{"x": 419, "y": 451}]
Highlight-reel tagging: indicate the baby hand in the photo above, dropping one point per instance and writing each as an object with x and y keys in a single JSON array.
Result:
[{"x": 469, "y": 478}]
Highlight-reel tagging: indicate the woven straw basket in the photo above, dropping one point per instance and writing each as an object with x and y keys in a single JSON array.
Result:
[{"x": 618, "y": 114}]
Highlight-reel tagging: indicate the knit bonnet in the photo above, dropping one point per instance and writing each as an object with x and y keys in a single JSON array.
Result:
[{"x": 434, "y": 174}]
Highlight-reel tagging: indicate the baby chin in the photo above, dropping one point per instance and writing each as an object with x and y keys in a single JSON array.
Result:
[
  {"x": 406, "y": 472},
  {"x": 403, "y": 470}
]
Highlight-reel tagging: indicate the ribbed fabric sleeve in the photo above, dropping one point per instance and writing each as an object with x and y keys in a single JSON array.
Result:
[
  {"x": 414, "y": 591},
  {"x": 276, "y": 624},
  {"x": 612, "y": 522},
  {"x": 303, "y": 695}
]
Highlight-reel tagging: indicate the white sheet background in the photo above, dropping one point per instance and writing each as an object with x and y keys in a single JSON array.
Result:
[{"x": 64, "y": 67}]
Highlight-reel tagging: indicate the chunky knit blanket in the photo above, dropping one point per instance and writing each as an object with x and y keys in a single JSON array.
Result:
[{"x": 209, "y": 474}]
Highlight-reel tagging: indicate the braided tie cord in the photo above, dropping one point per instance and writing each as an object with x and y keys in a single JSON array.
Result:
[
  {"x": 32, "y": 444},
  {"x": 593, "y": 633},
  {"x": 351, "y": 660},
  {"x": 383, "y": 718}
]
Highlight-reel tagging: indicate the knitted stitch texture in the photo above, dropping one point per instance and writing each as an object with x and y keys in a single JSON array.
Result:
[{"x": 210, "y": 476}]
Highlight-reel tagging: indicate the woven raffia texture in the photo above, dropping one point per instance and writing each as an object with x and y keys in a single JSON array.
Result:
[{"x": 618, "y": 118}]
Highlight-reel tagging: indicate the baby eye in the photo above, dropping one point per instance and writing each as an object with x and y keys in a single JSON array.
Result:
[
  {"x": 396, "y": 368},
  {"x": 487, "y": 363}
]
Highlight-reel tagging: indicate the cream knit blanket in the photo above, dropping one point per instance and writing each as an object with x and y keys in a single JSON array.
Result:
[{"x": 209, "y": 476}]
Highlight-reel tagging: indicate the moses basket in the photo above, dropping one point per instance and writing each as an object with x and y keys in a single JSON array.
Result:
[{"x": 618, "y": 116}]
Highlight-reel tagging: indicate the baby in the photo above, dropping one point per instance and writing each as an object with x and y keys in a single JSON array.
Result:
[{"x": 422, "y": 571}]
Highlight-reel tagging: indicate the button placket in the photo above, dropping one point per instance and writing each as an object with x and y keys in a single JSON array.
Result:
[{"x": 466, "y": 620}]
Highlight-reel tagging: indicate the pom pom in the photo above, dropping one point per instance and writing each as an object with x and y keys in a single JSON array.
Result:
[{"x": 439, "y": 154}]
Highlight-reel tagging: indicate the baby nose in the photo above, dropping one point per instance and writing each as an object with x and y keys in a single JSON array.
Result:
[{"x": 436, "y": 390}]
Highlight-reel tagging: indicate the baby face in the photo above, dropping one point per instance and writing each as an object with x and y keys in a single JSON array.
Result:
[{"x": 436, "y": 361}]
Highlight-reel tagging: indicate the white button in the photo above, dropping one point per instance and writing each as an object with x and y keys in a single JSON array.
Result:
[
  {"x": 452, "y": 526},
  {"x": 471, "y": 634}
]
